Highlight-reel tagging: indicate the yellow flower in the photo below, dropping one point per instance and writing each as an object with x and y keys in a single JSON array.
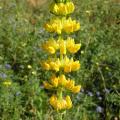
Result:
[
  {"x": 53, "y": 101},
  {"x": 63, "y": 104},
  {"x": 67, "y": 68},
  {"x": 46, "y": 65},
  {"x": 71, "y": 26},
  {"x": 55, "y": 25},
  {"x": 70, "y": 7},
  {"x": 71, "y": 46},
  {"x": 69, "y": 102},
  {"x": 62, "y": 8},
  {"x": 50, "y": 46},
  {"x": 67, "y": 64},
  {"x": 70, "y": 65},
  {"x": 54, "y": 81},
  {"x": 70, "y": 84},
  {"x": 51, "y": 50},
  {"x": 54, "y": 66},
  {"x": 47, "y": 85},
  {"x": 62, "y": 46},
  {"x": 75, "y": 66},
  {"x": 76, "y": 89},
  {"x": 51, "y": 64},
  {"x": 7, "y": 83},
  {"x": 62, "y": 80}
]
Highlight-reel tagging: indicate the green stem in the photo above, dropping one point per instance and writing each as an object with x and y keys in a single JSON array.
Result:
[
  {"x": 60, "y": 115},
  {"x": 59, "y": 93},
  {"x": 103, "y": 79},
  {"x": 61, "y": 57},
  {"x": 104, "y": 85}
]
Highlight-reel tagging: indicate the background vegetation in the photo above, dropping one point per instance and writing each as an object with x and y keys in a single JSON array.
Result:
[{"x": 21, "y": 34}]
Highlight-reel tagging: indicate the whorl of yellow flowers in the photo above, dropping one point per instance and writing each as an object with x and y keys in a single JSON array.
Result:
[
  {"x": 60, "y": 104},
  {"x": 65, "y": 64},
  {"x": 61, "y": 81},
  {"x": 51, "y": 46},
  {"x": 62, "y": 8},
  {"x": 56, "y": 25},
  {"x": 58, "y": 61}
]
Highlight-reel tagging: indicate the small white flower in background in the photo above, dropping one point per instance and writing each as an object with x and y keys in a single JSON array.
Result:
[
  {"x": 34, "y": 72},
  {"x": 29, "y": 67},
  {"x": 88, "y": 12},
  {"x": 82, "y": 52}
]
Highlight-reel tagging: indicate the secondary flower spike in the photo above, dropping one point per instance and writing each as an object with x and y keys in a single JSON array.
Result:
[{"x": 59, "y": 50}]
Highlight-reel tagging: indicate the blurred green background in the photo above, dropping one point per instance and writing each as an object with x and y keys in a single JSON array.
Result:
[{"x": 21, "y": 33}]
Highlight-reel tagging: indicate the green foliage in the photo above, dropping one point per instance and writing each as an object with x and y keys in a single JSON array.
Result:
[{"x": 21, "y": 34}]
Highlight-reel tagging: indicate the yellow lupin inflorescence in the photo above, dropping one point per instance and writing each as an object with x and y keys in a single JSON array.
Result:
[
  {"x": 62, "y": 8},
  {"x": 58, "y": 61},
  {"x": 58, "y": 26}
]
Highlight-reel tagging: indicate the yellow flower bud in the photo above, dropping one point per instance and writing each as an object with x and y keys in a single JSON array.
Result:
[
  {"x": 62, "y": 45},
  {"x": 53, "y": 101},
  {"x": 71, "y": 26},
  {"x": 47, "y": 85},
  {"x": 70, "y": 84},
  {"x": 46, "y": 66},
  {"x": 67, "y": 68},
  {"x": 63, "y": 103},
  {"x": 51, "y": 50},
  {"x": 71, "y": 46},
  {"x": 54, "y": 81},
  {"x": 76, "y": 89},
  {"x": 62, "y": 80},
  {"x": 54, "y": 66},
  {"x": 69, "y": 102},
  {"x": 74, "y": 49},
  {"x": 75, "y": 65}
]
